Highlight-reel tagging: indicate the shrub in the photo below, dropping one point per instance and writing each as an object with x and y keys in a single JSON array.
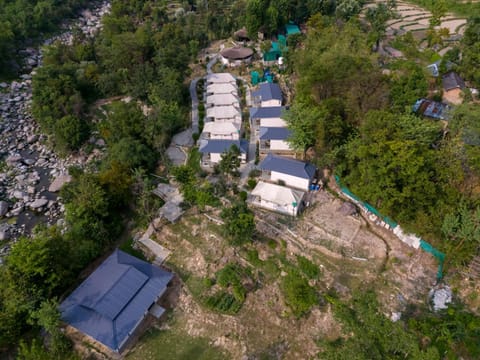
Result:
[
  {"x": 299, "y": 295},
  {"x": 307, "y": 267},
  {"x": 251, "y": 183}
]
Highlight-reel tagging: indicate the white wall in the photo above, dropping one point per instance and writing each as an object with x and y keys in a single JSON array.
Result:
[
  {"x": 232, "y": 136},
  {"x": 270, "y": 103},
  {"x": 273, "y": 122},
  {"x": 215, "y": 158},
  {"x": 291, "y": 180},
  {"x": 287, "y": 209},
  {"x": 279, "y": 145}
]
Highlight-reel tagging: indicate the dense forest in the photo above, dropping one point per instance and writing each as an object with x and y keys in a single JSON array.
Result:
[
  {"x": 353, "y": 117},
  {"x": 25, "y": 21}
]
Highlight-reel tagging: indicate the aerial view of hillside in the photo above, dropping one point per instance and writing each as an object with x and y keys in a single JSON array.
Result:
[{"x": 239, "y": 179}]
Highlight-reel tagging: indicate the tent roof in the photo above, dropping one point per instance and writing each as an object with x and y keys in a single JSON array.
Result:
[
  {"x": 111, "y": 302},
  {"x": 221, "y": 128},
  {"x": 223, "y": 112},
  {"x": 222, "y": 99},
  {"x": 220, "y": 78},
  {"x": 277, "y": 194}
]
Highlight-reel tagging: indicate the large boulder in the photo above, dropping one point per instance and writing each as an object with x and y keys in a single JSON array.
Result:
[
  {"x": 39, "y": 203},
  {"x": 59, "y": 181},
  {"x": 3, "y": 208}
]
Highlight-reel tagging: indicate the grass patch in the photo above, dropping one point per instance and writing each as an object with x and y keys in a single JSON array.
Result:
[
  {"x": 308, "y": 268},
  {"x": 127, "y": 247},
  {"x": 298, "y": 294},
  {"x": 174, "y": 344}
]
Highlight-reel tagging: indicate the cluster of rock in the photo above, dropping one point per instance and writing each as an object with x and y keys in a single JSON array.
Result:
[{"x": 31, "y": 174}]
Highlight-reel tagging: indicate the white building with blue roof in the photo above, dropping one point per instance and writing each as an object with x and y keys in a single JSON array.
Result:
[
  {"x": 275, "y": 140},
  {"x": 268, "y": 116},
  {"x": 291, "y": 172},
  {"x": 267, "y": 95},
  {"x": 114, "y": 300},
  {"x": 212, "y": 150}
]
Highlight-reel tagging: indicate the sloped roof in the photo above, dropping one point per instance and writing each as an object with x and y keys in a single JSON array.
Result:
[
  {"x": 223, "y": 128},
  {"x": 452, "y": 81},
  {"x": 111, "y": 302},
  {"x": 217, "y": 146},
  {"x": 267, "y": 112},
  {"x": 223, "y": 112},
  {"x": 222, "y": 88},
  {"x": 237, "y": 53},
  {"x": 221, "y": 78},
  {"x": 223, "y": 99},
  {"x": 268, "y": 91},
  {"x": 277, "y": 194},
  {"x": 274, "y": 133},
  {"x": 288, "y": 166}
]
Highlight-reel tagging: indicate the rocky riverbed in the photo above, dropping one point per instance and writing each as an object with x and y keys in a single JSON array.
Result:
[{"x": 31, "y": 174}]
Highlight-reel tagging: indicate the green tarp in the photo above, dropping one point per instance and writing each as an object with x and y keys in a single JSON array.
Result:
[{"x": 423, "y": 244}]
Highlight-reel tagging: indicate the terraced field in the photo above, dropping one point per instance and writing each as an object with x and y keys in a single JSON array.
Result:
[{"x": 413, "y": 18}]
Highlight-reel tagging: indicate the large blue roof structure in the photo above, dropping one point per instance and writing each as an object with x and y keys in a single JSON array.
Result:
[
  {"x": 268, "y": 91},
  {"x": 288, "y": 166},
  {"x": 267, "y": 112},
  {"x": 274, "y": 133},
  {"x": 220, "y": 146},
  {"x": 114, "y": 299}
]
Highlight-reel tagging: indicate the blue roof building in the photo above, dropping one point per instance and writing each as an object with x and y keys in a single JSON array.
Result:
[
  {"x": 220, "y": 146},
  {"x": 288, "y": 172},
  {"x": 111, "y": 303},
  {"x": 267, "y": 112},
  {"x": 269, "y": 93},
  {"x": 288, "y": 166},
  {"x": 274, "y": 133}
]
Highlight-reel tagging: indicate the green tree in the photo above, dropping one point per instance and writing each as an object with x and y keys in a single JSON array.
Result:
[
  {"x": 239, "y": 224},
  {"x": 299, "y": 295},
  {"x": 230, "y": 162}
]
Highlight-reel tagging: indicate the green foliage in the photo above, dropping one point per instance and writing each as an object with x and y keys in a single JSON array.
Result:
[
  {"x": 223, "y": 302},
  {"x": 407, "y": 86},
  {"x": 239, "y": 224},
  {"x": 231, "y": 277},
  {"x": 299, "y": 295},
  {"x": 23, "y": 20},
  {"x": 393, "y": 165},
  {"x": 454, "y": 332},
  {"x": 308, "y": 268},
  {"x": 230, "y": 162},
  {"x": 461, "y": 232},
  {"x": 371, "y": 335}
]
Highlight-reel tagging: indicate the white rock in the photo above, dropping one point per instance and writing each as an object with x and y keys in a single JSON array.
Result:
[
  {"x": 38, "y": 203},
  {"x": 57, "y": 184}
]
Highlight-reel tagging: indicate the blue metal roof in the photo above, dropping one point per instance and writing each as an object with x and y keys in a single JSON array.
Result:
[
  {"x": 288, "y": 166},
  {"x": 267, "y": 112},
  {"x": 274, "y": 133},
  {"x": 220, "y": 146},
  {"x": 268, "y": 91},
  {"x": 113, "y": 300}
]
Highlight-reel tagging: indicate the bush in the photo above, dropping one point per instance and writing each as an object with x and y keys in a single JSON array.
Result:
[
  {"x": 299, "y": 295},
  {"x": 223, "y": 302},
  {"x": 251, "y": 183},
  {"x": 308, "y": 268}
]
